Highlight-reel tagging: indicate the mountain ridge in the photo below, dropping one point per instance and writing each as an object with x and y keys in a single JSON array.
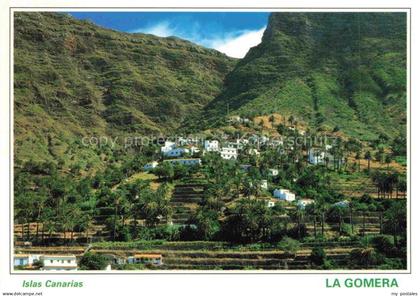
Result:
[
  {"x": 342, "y": 70},
  {"x": 74, "y": 79},
  {"x": 332, "y": 71}
]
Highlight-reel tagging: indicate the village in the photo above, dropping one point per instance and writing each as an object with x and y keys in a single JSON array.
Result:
[{"x": 202, "y": 186}]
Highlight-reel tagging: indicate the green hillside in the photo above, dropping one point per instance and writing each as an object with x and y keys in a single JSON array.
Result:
[
  {"x": 73, "y": 78},
  {"x": 345, "y": 70}
]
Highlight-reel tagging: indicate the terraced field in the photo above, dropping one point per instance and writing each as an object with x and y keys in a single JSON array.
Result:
[
  {"x": 363, "y": 223},
  {"x": 355, "y": 186},
  {"x": 185, "y": 200},
  {"x": 218, "y": 255}
]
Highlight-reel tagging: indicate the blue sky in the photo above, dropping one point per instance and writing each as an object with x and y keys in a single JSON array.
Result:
[{"x": 232, "y": 33}]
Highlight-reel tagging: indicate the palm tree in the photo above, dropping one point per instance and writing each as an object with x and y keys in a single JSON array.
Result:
[
  {"x": 298, "y": 215},
  {"x": 50, "y": 227},
  {"x": 368, "y": 157},
  {"x": 312, "y": 211},
  {"x": 351, "y": 216},
  {"x": 322, "y": 209},
  {"x": 401, "y": 185},
  {"x": 363, "y": 208},
  {"x": 271, "y": 119},
  {"x": 388, "y": 160},
  {"x": 71, "y": 218},
  {"x": 291, "y": 120},
  {"x": 357, "y": 157},
  {"x": 396, "y": 215}
]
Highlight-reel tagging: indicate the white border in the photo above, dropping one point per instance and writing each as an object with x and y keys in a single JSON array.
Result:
[{"x": 327, "y": 272}]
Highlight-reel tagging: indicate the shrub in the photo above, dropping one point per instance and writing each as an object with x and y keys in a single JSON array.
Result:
[
  {"x": 384, "y": 245},
  {"x": 318, "y": 256},
  {"x": 393, "y": 263},
  {"x": 346, "y": 229},
  {"x": 365, "y": 257},
  {"x": 289, "y": 245},
  {"x": 91, "y": 261}
]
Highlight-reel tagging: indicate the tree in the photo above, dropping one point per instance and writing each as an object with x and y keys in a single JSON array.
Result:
[
  {"x": 289, "y": 245},
  {"x": 357, "y": 157},
  {"x": 92, "y": 261},
  {"x": 365, "y": 257},
  {"x": 166, "y": 171},
  {"x": 70, "y": 218},
  {"x": 399, "y": 146},
  {"x": 272, "y": 119},
  {"x": 388, "y": 160},
  {"x": 318, "y": 256},
  {"x": 396, "y": 216},
  {"x": 207, "y": 223},
  {"x": 368, "y": 157},
  {"x": 338, "y": 212},
  {"x": 401, "y": 185},
  {"x": 152, "y": 206},
  {"x": 291, "y": 120},
  {"x": 250, "y": 221}
]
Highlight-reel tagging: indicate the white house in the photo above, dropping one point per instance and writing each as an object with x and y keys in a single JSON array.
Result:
[
  {"x": 342, "y": 204},
  {"x": 238, "y": 119},
  {"x": 302, "y": 203},
  {"x": 167, "y": 147},
  {"x": 264, "y": 139},
  {"x": 194, "y": 150},
  {"x": 264, "y": 184},
  {"x": 229, "y": 153},
  {"x": 254, "y": 152},
  {"x": 235, "y": 145},
  {"x": 155, "y": 259},
  {"x": 284, "y": 194},
  {"x": 211, "y": 146},
  {"x": 273, "y": 172},
  {"x": 25, "y": 259},
  {"x": 316, "y": 156},
  {"x": 185, "y": 161},
  {"x": 59, "y": 263},
  {"x": 270, "y": 204},
  {"x": 176, "y": 152},
  {"x": 150, "y": 165},
  {"x": 243, "y": 141}
]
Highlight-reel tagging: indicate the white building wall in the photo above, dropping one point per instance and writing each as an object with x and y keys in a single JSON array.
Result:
[
  {"x": 229, "y": 153},
  {"x": 59, "y": 263},
  {"x": 167, "y": 146},
  {"x": 284, "y": 194},
  {"x": 151, "y": 165},
  {"x": 211, "y": 146},
  {"x": 316, "y": 156}
]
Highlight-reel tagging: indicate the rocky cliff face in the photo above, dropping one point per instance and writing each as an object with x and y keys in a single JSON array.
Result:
[
  {"x": 73, "y": 78},
  {"x": 345, "y": 70}
]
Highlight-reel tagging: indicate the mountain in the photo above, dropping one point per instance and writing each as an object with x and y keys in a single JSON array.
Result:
[
  {"x": 329, "y": 70},
  {"x": 74, "y": 79}
]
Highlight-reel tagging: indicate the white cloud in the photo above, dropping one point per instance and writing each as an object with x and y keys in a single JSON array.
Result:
[
  {"x": 162, "y": 29},
  {"x": 238, "y": 46},
  {"x": 234, "y": 44}
]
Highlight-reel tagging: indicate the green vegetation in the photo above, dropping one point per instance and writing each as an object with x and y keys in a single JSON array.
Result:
[
  {"x": 90, "y": 261},
  {"x": 79, "y": 80},
  {"x": 332, "y": 71},
  {"x": 74, "y": 79}
]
